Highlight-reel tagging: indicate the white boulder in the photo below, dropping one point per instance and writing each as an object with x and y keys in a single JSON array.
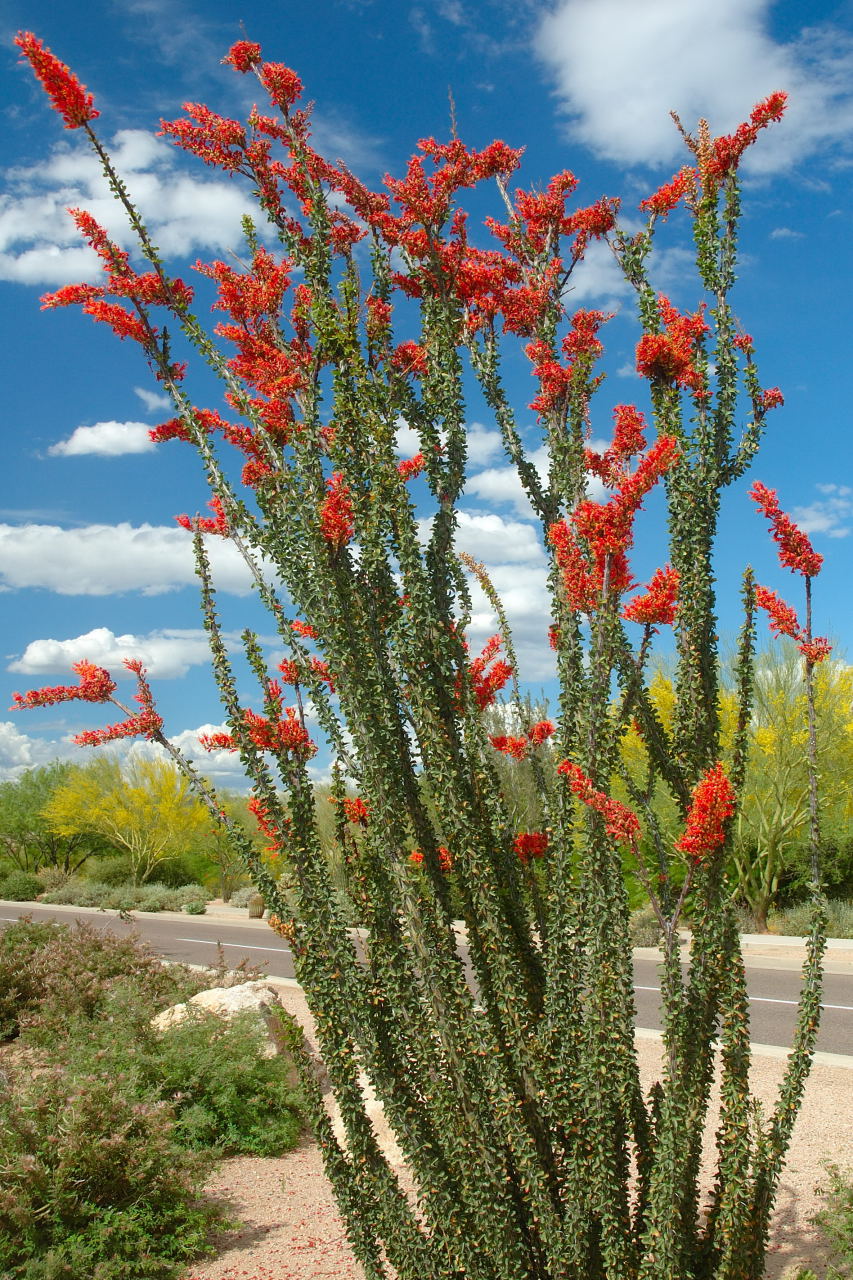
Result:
[{"x": 226, "y": 1003}]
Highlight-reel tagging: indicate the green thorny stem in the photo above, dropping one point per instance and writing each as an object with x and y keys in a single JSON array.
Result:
[{"x": 511, "y": 1083}]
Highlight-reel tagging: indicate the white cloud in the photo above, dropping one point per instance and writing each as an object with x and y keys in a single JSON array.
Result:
[
  {"x": 167, "y": 654},
  {"x": 786, "y": 233},
  {"x": 153, "y": 400},
  {"x": 490, "y": 538},
  {"x": 108, "y": 439},
  {"x": 19, "y": 752},
  {"x": 39, "y": 243},
  {"x": 483, "y": 442},
  {"x": 103, "y": 559},
  {"x": 833, "y": 515},
  {"x": 620, "y": 67}
]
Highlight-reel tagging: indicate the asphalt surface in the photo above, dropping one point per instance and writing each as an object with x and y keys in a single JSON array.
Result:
[{"x": 773, "y": 980}]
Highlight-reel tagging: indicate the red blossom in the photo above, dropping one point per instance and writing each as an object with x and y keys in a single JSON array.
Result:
[
  {"x": 782, "y": 617},
  {"x": 243, "y": 55},
  {"x": 663, "y": 201},
  {"x": 668, "y": 356},
  {"x": 282, "y": 84},
  {"x": 218, "y": 525},
  {"x": 303, "y": 629},
  {"x": 355, "y": 810},
  {"x": 336, "y": 512},
  {"x": 541, "y": 731},
  {"x": 726, "y": 151},
  {"x": 772, "y": 398},
  {"x": 96, "y": 685},
  {"x": 815, "y": 650},
  {"x": 445, "y": 858},
  {"x": 488, "y": 673},
  {"x": 213, "y": 138},
  {"x": 530, "y": 844},
  {"x": 659, "y": 603},
  {"x": 712, "y": 804},
  {"x": 794, "y": 548},
  {"x": 68, "y": 96},
  {"x": 510, "y": 746},
  {"x": 409, "y": 468},
  {"x": 619, "y": 821},
  {"x": 410, "y": 357}
]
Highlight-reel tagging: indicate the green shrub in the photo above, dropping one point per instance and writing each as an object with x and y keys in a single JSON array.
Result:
[
  {"x": 795, "y": 921},
  {"x": 93, "y": 1184},
  {"x": 836, "y": 1222},
  {"x": 195, "y": 908},
  {"x": 53, "y": 975},
  {"x": 645, "y": 928},
  {"x": 240, "y": 897},
  {"x": 21, "y": 886}
]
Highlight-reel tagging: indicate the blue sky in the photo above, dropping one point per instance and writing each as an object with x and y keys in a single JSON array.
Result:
[{"x": 91, "y": 561}]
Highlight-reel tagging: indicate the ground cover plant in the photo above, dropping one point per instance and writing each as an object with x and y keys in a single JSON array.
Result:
[
  {"x": 109, "y": 1126},
  {"x": 531, "y": 1148}
]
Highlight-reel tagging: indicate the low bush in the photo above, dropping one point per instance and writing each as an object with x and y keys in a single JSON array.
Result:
[
  {"x": 94, "y": 1184},
  {"x": 126, "y": 896},
  {"x": 52, "y": 975},
  {"x": 21, "y": 886},
  {"x": 645, "y": 928},
  {"x": 796, "y": 921}
]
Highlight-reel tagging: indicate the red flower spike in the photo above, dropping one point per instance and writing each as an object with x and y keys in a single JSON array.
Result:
[
  {"x": 355, "y": 810},
  {"x": 282, "y": 84},
  {"x": 668, "y": 356},
  {"x": 411, "y": 358},
  {"x": 243, "y": 55},
  {"x": 411, "y": 467},
  {"x": 96, "y": 685},
  {"x": 713, "y": 803},
  {"x": 772, "y": 398},
  {"x": 515, "y": 747},
  {"x": 660, "y": 602},
  {"x": 782, "y": 617},
  {"x": 663, "y": 201},
  {"x": 336, "y": 512},
  {"x": 488, "y": 680},
  {"x": 68, "y": 96},
  {"x": 530, "y": 844},
  {"x": 541, "y": 731},
  {"x": 794, "y": 548},
  {"x": 726, "y": 151},
  {"x": 619, "y": 821},
  {"x": 815, "y": 650}
]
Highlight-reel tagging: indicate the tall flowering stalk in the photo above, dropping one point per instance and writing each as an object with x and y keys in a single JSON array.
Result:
[{"x": 515, "y": 1097}]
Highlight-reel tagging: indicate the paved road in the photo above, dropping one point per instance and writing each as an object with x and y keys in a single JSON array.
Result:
[{"x": 194, "y": 939}]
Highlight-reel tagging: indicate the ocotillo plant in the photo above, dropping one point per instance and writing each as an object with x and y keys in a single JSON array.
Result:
[{"x": 530, "y": 1149}]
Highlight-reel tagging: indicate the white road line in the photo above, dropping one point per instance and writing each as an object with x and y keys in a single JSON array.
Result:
[
  {"x": 847, "y": 1008},
  {"x": 238, "y": 945}
]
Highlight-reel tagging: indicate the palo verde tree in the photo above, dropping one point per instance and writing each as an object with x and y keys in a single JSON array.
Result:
[
  {"x": 146, "y": 808},
  {"x": 530, "y": 1148}
]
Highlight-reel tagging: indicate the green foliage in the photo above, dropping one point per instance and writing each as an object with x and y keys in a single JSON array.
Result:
[
  {"x": 51, "y": 975},
  {"x": 94, "y": 1184},
  {"x": 21, "y": 886},
  {"x": 645, "y": 928},
  {"x": 796, "y": 921},
  {"x": 26, "y": 837},
  {"x": 836, "y": 1222},
  {"x": 127, "y": 897}
]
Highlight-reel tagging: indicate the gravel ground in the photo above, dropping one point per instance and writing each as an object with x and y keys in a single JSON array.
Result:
[{"x": 292, "y": 1231}]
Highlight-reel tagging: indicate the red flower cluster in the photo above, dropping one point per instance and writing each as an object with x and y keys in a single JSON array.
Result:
[
  {"x": 518, "y": 747},
  {"x": 290, "y": 671},
  {"x": 410, "y": 357},
  {"x": 794, "y": 548},
  {"x": 286, "y": 736},
  {"x": 266, "y": 823},
  {"x": 409, "y": 468},
  {"x": 712, "y": 804},
  {"x": 581, "y": 346},
  {"x": 727, "y": 150},
  {"x": 668, "y": 356},
  {"x": 445, "y": 858},
  {"x": 663, "y": 201},
  {"x": 96, "y": 685},
  {"x": 784, "y": 622},
  {"x": 771, "y": 398},
  {"x": 606, "y": 529},
  {"x": 628, "y": 440},
  {"x": 530, "y": 844},
  {"x": 355, "y": 810},
  {"x": 243, "y": 55},
  {"x": 336, "y": 512},
  {"x": 619, "y": 821},
  {"x": 68, "y": 96},
  {"x": 660, "y": 602},
  {"x": 218, "y": 525},
  {"x": 303, "y": 629},
  {"x": 488, "y": 673},
  {"x": 146, "y": 722}
]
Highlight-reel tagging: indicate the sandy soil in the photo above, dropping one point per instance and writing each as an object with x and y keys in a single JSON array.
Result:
[{"x": 291, "y": 1229}]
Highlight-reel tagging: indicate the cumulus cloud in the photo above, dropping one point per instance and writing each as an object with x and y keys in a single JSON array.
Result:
[
  {"x": 831, "y": 515},
  {"x": 167, "y": 654},
  {"x": 39, "y": 243},
  {"x": 620, "y": 67},
  {"x": 484, "y": 443},
  {"x": 105, "y": 559},
  {"x": 108, "y": 439},
  {"x": 19, "y": 751}
]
